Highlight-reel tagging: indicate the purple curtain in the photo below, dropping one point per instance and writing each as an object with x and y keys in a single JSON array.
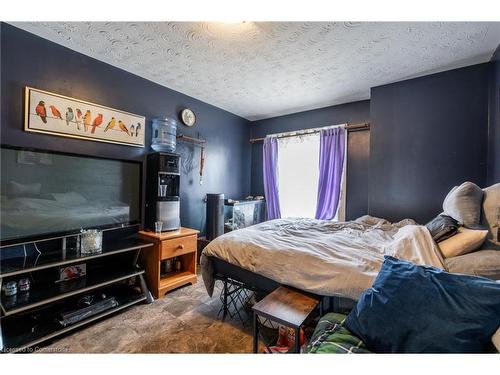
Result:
[
  {"x": 331, "y": 162},
  {"x": 270, "y": 161}
]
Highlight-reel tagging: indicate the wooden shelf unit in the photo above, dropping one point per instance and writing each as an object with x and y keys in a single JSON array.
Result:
[{"x": 182, "y": 244}]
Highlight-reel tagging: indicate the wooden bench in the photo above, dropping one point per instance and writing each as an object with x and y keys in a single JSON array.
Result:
[{"x": 285, "y": 306}]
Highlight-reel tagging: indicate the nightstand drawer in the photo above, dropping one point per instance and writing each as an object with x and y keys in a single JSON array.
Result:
[{"x": 178, "y": 246}]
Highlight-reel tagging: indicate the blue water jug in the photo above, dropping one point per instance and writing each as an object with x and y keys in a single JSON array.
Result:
[{"x": 164, "y": 134}]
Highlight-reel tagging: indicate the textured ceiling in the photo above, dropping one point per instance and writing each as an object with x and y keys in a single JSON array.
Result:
[{"x": 265, "y": 69}]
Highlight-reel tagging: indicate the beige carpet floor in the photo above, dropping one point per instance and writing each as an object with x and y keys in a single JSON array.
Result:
[{"x": 184, "y": 321}]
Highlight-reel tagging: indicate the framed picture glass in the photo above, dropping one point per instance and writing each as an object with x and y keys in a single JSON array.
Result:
[{"x": 55, "y": 114}]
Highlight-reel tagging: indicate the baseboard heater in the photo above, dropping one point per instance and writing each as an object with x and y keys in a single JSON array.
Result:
[{"x": 75, "y": 316}]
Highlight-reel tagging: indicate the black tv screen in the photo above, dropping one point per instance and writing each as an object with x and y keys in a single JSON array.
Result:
[{"x": 45, "y": 194}]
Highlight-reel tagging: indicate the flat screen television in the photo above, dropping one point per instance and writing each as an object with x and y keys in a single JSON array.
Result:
[{"x": 46, "y": 194}]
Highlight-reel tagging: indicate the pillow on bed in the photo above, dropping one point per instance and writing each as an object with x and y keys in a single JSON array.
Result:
[
  {"x": 463, "y": 203},
  {"x": 442, "y": 227},
  {"x": 70, "y": 198},
  {"x": 490, "y": 215},
  {"x": 465, "y": 241},
  {"x": 423, "y": 309},
  {"x": 17, "y": 190},
  {"x": 485, "y": 263},
  {"x": 496, "y": 339}
]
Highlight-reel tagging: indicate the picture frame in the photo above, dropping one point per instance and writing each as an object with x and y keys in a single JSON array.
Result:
[
  {"x": 74, "y": 271},
  {"x": 55, "y": 114}
]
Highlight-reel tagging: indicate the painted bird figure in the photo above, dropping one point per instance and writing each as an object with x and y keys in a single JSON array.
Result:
[
  {"x": 123, "y": 127},
  {"x": 132, "y": 130},
  {"x": 78, "y": 118},
  {"x": 41, "y": 111},
  {"x": 55, "y": 112},
  {"x": 111, "y": 124},
  {"x": 137, "y": 128},
  {"x": 97, "y": 122},
  {"x": 69, "y": 115},
  {"x": 86, "y": 120}
]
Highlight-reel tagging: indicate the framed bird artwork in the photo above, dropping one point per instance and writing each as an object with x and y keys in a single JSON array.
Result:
[{"x": 55, "y": 114}]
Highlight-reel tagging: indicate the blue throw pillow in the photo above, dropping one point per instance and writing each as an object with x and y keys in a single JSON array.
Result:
[{"x": 423, "y": 309}]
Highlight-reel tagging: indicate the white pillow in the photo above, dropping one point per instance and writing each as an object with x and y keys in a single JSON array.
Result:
[
  {"x": 465, "y": 241},
  {"x": 463, "y": 203},
  {"x": 71, "y": 198},
  {"x": 490, "y": 216},
  {"x": 15, "y": 189},
  {"x": 496, "y": 339}
]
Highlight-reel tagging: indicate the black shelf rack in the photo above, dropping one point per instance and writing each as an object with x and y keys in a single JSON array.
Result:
[
  {"x": 20, "y": 265},
  {"x": 45, "y": 294},
  {"x": 20, "y": 340},
  {"x": 14, "y": 311}
]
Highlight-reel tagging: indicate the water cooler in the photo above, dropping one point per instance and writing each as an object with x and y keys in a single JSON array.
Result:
[{"x": 162, "y": 191}]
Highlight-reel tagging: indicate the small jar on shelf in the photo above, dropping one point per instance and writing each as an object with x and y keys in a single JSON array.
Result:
[
  {"x": 167, "y": 266},
  {"x": 177, "y": 264}
]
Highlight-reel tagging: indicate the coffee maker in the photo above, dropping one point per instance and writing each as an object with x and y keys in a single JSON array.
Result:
[{"x": 162, "y": 191}]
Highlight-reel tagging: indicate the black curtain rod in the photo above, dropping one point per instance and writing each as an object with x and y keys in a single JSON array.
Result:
[{"x": 349, "y": 128}]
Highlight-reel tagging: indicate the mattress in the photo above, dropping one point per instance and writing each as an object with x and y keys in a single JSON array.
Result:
[{"x": 321, "y": 257}]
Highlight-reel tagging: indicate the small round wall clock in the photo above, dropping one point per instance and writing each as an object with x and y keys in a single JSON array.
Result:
[{"x": 188, "y": 117}]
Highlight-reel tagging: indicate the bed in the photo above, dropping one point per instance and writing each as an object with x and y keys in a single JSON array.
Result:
[
  {"x": 332, "y": 259},
  {"x": 321, "y": 257}
]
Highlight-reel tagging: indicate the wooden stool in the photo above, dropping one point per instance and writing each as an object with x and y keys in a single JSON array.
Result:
[{"x": 284, "y": 306}]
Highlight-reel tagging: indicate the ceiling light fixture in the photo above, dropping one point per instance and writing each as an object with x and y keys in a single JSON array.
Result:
[{"x": 232, "y": 22}]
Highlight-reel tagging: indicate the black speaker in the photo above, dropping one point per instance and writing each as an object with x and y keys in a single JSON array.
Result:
[{"x": 215, "y": 215}]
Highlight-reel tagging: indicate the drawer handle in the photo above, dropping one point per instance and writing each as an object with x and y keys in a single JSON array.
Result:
[{"x": 180, "y": 247}]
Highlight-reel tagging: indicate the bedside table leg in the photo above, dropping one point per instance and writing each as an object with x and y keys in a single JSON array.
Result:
[
  {"x": 297, "y": 340},
  {"x": 255, "y": 333}
]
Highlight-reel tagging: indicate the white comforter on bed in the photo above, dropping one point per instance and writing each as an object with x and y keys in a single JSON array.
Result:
[{"x": 322, "y": 257}]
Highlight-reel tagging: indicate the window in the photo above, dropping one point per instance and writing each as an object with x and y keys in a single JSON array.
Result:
[{"x": 298, "y": 175}]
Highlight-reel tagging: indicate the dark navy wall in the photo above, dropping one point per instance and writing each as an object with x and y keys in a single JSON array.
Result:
[
  {"x": 357, "y": 153},
  {"x": 427, "y": 135},
  {"x": 27, "y": 60},
  {"x": 493, "y": 175}
]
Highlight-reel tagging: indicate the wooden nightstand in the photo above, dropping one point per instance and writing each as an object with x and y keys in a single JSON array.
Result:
[{"x": 181, "y": 244}]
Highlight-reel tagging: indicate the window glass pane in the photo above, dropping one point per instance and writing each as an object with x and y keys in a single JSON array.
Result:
[{"x": 298, "y": 173}]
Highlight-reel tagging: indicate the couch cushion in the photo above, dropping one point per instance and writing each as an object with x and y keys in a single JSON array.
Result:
[
  {"x": 463, "y": 203},
  {"x": 465, "y": 241},
  {"x": 423, "y": 309},
  {"x": 485, "y": 263},
  {"x": 496, "y": 339},
  {"x": 442, "y": 227},
  {"x": 490, "y": 213}
]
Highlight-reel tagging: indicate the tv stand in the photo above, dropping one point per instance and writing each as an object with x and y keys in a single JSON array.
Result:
[{"x": 29, "y": 318}]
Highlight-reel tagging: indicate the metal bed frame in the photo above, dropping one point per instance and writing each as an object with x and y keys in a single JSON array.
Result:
[{"x": 236, "y": 279}]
